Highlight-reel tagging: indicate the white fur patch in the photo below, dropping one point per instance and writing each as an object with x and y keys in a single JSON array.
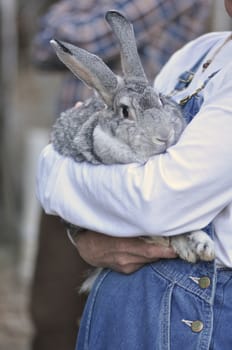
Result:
[{"x": 111, "y": 150}]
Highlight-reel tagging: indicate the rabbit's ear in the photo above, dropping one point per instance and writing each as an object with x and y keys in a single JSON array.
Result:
[
  {"x": 123, "y": 29},
  {"x": 89, "y": 68}
]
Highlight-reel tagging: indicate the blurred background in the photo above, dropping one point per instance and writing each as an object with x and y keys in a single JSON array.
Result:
[{"x": 27, "y": 101}]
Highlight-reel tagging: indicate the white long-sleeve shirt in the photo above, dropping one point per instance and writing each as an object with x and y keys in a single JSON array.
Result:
[{"x": 179, "y": 191}]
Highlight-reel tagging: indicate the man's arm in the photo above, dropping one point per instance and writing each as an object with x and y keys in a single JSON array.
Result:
[{"x": 176, "y": 192}]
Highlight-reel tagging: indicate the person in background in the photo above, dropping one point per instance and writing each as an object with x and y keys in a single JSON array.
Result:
[{"x": 161, "y": 27}]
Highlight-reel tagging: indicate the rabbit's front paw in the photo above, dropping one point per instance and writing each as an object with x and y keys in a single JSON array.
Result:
[
  {"x": 202, "y": 245},
  {"x": 194, "y": 246}
]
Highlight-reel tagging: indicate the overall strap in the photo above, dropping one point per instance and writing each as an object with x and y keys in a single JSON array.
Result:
[
  {"x": 186, "y": 77},
  {"x": 184, "y": 100}
]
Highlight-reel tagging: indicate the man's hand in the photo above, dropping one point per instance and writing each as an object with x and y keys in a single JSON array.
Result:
[{"x": 125, "y": 255}]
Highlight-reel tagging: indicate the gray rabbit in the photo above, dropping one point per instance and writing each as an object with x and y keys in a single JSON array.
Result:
[{"x": 125, "y": 121}]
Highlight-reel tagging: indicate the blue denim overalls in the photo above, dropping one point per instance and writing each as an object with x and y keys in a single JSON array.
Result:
[{"x": 166, "y": 305}]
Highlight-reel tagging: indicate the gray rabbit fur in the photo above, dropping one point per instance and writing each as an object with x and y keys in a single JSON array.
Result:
[{"x": 125, "y": 121}]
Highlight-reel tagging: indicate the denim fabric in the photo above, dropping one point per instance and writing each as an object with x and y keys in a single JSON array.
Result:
[
  {"x": 222, "y": 335},
  {"x": 153, "y": 309},
  {"x": 156, "y": 308}
]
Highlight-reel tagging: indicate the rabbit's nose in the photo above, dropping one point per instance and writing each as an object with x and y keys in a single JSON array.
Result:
[
  {"x": 163, "y": 137},
  {"x": 157, "y": 141}
]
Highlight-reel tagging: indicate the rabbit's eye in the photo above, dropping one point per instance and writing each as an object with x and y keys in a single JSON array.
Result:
[{"x": 125, "y": 111}]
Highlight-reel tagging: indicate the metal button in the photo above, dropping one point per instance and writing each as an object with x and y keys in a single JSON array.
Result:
[
  {"x": 204, "y": 282},
  {"x": 197, "y": 326}
]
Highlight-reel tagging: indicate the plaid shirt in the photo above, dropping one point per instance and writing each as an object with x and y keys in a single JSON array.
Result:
[{"x": 161, "y": 27}]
